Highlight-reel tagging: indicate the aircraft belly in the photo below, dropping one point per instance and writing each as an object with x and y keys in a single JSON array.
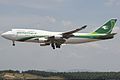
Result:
[
  {"x": 78, "y": 40},
  {"x": 35, "y": 41},
  {"x": 32, "y": 41}
]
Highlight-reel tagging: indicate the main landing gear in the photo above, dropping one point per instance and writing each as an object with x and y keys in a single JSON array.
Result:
[{"x": 55, "y": 45}]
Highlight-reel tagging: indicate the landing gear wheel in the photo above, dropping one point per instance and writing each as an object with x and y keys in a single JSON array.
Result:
[
  {"x": 13, "y": 43},
  {"x": 57, "y": 45},
  {"x": 53, "y": 46}
]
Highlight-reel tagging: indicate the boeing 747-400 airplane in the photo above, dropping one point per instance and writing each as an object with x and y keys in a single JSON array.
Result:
[{"x": 56, "y": 39}]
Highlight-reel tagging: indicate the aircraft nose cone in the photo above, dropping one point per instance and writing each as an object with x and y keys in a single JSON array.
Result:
[
  {"x": 6, "y": 35},
  {"x": 3, "y": 34}
]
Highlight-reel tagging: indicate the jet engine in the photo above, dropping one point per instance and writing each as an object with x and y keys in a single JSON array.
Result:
[
  {"x": 44, "y": 44},
  {"x": 58, "y": 36},
  {"x": 42, "y": 40}
]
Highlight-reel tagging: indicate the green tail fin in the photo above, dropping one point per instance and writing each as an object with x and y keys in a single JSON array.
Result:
[{"x": 107, "y": 27}]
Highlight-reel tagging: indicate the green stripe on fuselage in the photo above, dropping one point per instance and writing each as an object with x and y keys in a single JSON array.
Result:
[
  {"x": 88, "y": 36},
  {"x": 91, "y": 37},
  {"x": 27, "y": 38}
]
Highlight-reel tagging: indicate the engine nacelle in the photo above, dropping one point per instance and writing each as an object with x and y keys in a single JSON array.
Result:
[
  {"x": 42, "y": 40},
  {"x": 44, "y": 44},
  {"x": 58, "y": 36}
]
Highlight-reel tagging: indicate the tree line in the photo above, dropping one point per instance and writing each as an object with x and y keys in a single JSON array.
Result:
[{"x": 72, "y": 75}]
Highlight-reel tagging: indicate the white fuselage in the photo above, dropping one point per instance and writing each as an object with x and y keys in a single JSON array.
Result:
[{"x": 24, "y": 35}]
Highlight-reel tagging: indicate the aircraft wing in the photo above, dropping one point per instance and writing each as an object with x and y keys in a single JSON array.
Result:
[
  {"x": 57, "y": 40},
  {"x": 69, "y": 33}
]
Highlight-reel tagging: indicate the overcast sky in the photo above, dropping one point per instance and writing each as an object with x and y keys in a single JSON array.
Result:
[{"x": 59, "y": 15}]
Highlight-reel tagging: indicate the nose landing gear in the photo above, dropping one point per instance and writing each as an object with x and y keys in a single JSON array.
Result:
[{"x": 13, "y": 43}]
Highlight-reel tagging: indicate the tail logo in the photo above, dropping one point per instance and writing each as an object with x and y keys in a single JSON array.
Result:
[{"x": 105, "y": 27}]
